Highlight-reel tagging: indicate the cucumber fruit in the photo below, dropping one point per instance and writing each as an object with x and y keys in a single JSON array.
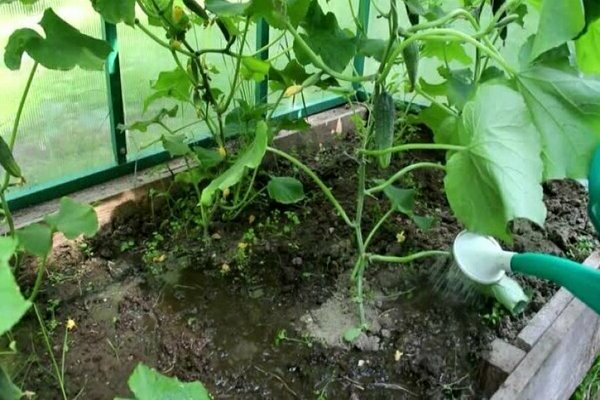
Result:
[{"x": 384, "y": 112}]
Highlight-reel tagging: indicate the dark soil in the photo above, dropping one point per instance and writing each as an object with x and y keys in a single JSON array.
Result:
[{"x": 148, "y": 289}]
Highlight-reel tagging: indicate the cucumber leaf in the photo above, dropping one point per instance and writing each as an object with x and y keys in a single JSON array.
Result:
[
  {"x": 335, "y": 46},
  {"x": 116, "y": 11},
  {"x": 12, "y": 303},
  {"x": 565, "y": 109},
  {"x": 74, "y": 219},
  {"x": 63, "y": 48},
  {"x": 285, "y": 190},
  {"x": 147, "y": 384},
  {"x": 251, "y": 158},
  {"x": 497, "y": 177},
  {"x": 36, "y": 239},
  {"x": 560, "y": 21},
  {"x": 587, "y": 48}
]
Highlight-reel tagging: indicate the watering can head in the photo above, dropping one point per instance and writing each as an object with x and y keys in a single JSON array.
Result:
[{"x": 481, "y": 258}]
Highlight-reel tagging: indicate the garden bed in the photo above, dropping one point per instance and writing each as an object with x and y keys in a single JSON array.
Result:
[{"x": 259, "y": 312}]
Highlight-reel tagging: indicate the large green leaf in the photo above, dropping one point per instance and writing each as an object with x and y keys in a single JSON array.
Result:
[
  {"x": 251, "y": 158},
  {"x": 225, "y": 8},
  {"x": 36, "y": 239},
  {"x": 8, "y": 390},
  {"x": 285, "y": 190},
  {"x": 174, "y": 84},
  {"x": 588, "y": 49},
  {"x": 560, "y": 21},
  {"x": 278, "y": 12},
  {"x": 497, "y": 178},
  {"x": 327, "y": 40},
  {"x": 63, "y": 48},
  {"x": 143, "y": 125},
  {"x": 565, "y": 109},
  {"x": 147, "y": 384},
  {"x": 402, "y": 200},
  {"x": 74, "y": 219},
  {"x": 115, "y": 11},
  {"x": 12, "y": 303},
  {"x": 442, "y": 123},
  {"x": 446, "y": 51}
]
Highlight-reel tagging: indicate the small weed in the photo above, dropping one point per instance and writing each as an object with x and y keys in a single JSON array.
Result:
[
  {"x": 282, "y": 337},
  {"x": 153, "y": 253},
  {"x": 127, "y": 245},
  {"x": 581, "y": 249},
  {"x": 494, "y": 317},
  {"x": 590, "y": 387}
]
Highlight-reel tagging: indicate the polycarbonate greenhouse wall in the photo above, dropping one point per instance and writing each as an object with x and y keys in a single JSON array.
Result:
[{"x": 69, "y": 137}]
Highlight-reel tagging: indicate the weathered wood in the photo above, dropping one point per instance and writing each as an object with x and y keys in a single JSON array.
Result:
[
  {"x": 548, "y": 314},
  {"x": 501, "y": 360},
  {"x": 560, "y": 358}
]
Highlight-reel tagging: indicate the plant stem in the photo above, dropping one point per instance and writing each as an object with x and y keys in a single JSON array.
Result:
[
  {"x": 223, "y": 107},
  {"x": 249, "y": 201},
  {"x": 377, "y": 226},
  {"x": 317, "y": 180},
  {"x": 159, "y": 41},
  {"x": 407, "y": 259},
  {"x": 64, "y": 354},
  {"x": 433, "y": 100},
  {"x": 7, "y": 213},
  {"x": 414, "y": 146},
  {"x": 238, "y": 204},
  {"x": 445, "y": 19},
  {"x": 61, "y": 383},
  {"x": 401, "y": 173},
  {"x": 445, "y": 34},
  {"x": 38, "y": 280},
  {"x": 11, "y": 144}
]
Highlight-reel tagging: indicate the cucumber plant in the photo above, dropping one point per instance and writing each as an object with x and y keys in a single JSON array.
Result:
[{"x": 505, "y": 124}]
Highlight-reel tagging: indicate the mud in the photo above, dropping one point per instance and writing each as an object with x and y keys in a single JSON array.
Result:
[{"x": 174, "y": 305}]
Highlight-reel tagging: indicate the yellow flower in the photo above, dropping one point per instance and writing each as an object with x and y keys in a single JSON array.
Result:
[
  {"x": 222, "y": 151},
  {"x": 226, "y": 192},
  {"x": 225, "y": 268},
  {"x": 292, "y": 90},
  {"x": 177, "y": 14},
  {"x": 401, "y": 237},
  {"x": 242, "y": 245},
  {"x": 398, "y": 355},
  {"x": 71, "y": 324}
]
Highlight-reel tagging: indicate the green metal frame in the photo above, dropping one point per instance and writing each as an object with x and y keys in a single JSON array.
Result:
[
  {"x": 36, "y": 194},
  {"x": 115, "y": 95}
]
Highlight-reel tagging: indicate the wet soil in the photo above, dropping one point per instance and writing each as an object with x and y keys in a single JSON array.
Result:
[{"x": 259, "y": 312}]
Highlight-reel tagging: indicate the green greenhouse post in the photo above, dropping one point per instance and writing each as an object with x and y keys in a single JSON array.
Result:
[
  {"x": 115, "y": 95},
  {"x": 364, "y": 7},
  {"x": 262, "y": 39}
]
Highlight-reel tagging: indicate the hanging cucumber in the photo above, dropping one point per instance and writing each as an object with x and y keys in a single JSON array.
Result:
[
  {"x": 384, "y": 112},
  {"x": 410, "y": 54},
  {"x": 8, "y": 161}
]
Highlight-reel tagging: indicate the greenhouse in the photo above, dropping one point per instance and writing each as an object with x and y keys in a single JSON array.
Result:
[{"x": 300, "y": 199}]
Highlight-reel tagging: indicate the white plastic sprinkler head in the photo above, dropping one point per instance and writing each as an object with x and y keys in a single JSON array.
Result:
[{"x": 481, "y": 258}]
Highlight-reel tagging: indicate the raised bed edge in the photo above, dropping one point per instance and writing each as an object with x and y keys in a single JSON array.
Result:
[{"x": 552, "y": 354}]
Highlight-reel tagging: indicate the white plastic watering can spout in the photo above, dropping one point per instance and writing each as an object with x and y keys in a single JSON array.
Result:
[{"x": 481, "y": 258}]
